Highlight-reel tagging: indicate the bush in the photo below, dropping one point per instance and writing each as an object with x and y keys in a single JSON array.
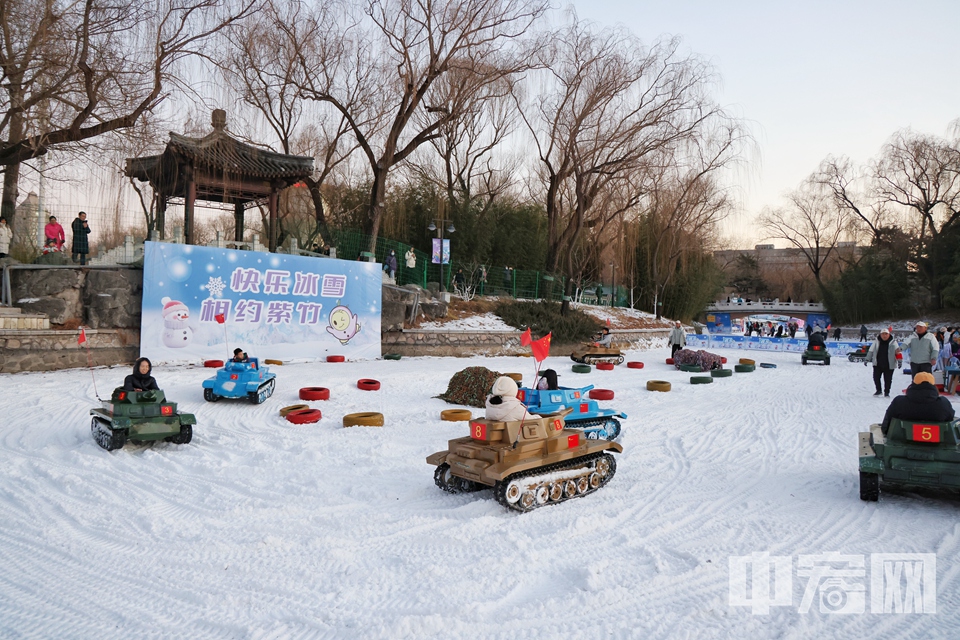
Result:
[{"x": 544, "y": 317}]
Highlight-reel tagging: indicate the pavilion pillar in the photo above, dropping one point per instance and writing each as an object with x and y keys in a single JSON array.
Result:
[
  {"x": 272, "y": 214},
  {"x": 161, "y": 220},
  {"x": 188, "y": 207},
  {"x": 238, "y": 221}
]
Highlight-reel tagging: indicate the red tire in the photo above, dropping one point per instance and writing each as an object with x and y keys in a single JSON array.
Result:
[
  {"x": 314, "y": 393},
  {"x": 304, "y": 416},
  {"x": 601, "y": 394},
  {"x": 635, "y": 365},
  {"x": 213, "y": 364},
  {"x": 669, "y": 360},
  {"x": 335, "y": 358},
  {"x": 367, "y": 384},
  {"x": 723, "y": 361},
  {"x": 605, "y": 366}
]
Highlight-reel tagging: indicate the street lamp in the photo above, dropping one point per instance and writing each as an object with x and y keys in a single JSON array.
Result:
[
  {"x": 437, "y": 225},
  {"x": 613, "y": 280}
]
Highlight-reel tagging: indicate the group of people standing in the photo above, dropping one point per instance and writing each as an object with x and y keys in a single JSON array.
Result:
[
  {"x": 925, "y": 350},
  {"x": 54, "y": 238}
]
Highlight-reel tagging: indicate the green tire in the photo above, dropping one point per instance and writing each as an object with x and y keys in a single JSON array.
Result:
[
  {"x": 700, "y": 380},
  {"x": 744, "y": 368},
  {"x": 391, "y": 356},
  {"x": 582, "y": 368},
  {"x": 721, "y": 373},
  {"x": 690, "y": 368}
]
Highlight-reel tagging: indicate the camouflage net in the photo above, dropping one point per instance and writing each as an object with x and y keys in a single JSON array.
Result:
[
  {"x": 470, "y": 387},
  {"x": 703, "y": 359}
]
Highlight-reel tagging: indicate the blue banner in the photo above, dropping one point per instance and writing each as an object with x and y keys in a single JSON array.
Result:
[
  {"x": 202, "y": 302},
  {"x": 756, "y": 343}
]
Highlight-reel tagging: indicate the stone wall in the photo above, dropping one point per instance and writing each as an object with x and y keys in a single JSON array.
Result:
[
  {"x": 96, "y": 298},
  {"x": 52, "y": 350}
]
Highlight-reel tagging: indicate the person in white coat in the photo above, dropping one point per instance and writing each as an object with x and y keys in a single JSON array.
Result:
[
  {"x": 6, "y": 235},
  {"x": 923, "y": 348},
  {"x": 503, "y": 404},
  {"x": 678, "y": 340}
]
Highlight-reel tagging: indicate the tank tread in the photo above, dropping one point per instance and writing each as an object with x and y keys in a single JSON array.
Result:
[
  {"x": 109, "y": 439},
  {"x": 263, "y": 392},
  {"x": 451, "y": 483},
  {"x": 555, "y": 483},
  {"x": 597, "y": 428}
]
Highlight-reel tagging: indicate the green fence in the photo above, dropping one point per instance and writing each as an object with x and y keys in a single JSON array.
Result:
[{"x": 486, "y": 280}]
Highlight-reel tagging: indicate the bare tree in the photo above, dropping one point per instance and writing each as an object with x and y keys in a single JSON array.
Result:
[
  {"x": 73, "y": 71},
  {"x": 811, "y": 223},
  {"x": 921, "y": 175},
  {"x": 385, "y": 74},
  {"x": 263, "y": 62},
  {"x": 610, "y": 112}
]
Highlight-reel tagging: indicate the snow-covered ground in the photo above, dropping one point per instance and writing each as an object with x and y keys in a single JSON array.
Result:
[{"x": 263, "y": 529}]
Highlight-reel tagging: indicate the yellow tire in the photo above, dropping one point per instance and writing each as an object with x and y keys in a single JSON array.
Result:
[
  {"x": 269, "y": 361},
  {"x": 366, "y": 419},
  {"x": 517, "y": 377},
  {"x": 293, "y": 407},
  {"x": 658, "y": 385},
  {"x": 456, "y": 415},
  {"x": 747, "y": 361}
]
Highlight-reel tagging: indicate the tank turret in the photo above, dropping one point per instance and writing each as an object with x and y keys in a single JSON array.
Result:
[
  {"x": 528, "y": 463},
  {"x": 139, "y": 416}
]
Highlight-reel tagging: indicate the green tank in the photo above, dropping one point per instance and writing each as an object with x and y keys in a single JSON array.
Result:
[
  {"x": 528, "y": 463},
  {"x": 911, "y": 454},
  {"x": 139, "y": 416}
]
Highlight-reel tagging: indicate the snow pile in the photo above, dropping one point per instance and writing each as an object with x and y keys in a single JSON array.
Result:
[
  {"x": 483, "y": 322},
  {"x": 263, "y": 529}
]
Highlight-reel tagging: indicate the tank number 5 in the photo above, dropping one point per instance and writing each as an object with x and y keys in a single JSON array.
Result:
[{"x": 926, "y": 432}]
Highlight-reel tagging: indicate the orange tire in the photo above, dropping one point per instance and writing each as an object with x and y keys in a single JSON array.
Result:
[{"x": 366, "y": 419}]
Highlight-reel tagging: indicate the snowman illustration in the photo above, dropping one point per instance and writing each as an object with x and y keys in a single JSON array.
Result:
[{"x": 176, "y": 331}]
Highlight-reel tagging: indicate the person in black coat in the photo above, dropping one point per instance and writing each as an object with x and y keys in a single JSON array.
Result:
[
  {"x": 922, "y": 401},
  {"x": 81, "y": 247},
  {"x": 140, "y": 379}
]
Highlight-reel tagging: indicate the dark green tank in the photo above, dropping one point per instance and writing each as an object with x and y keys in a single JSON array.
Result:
[
  {"x": 139, "y": 416},
  {"x": 911, "y": 454}
]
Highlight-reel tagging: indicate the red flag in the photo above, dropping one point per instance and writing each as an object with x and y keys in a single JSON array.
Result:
[
  {"x": 526, "y": 339},
  {"x": 541, "y": 347},
  {"x": 82, "y": 337},
  {"x": 220, "y": 318}
]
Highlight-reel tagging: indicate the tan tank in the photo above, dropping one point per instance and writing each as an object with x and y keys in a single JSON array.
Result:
[
  {"x": 528, "y": 463},
  {"x": 592, "y": 353}
]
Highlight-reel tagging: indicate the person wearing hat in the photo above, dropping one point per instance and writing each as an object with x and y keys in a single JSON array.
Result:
[
  {"x": 677, "y": 339},
  {"x": 390, "y": 265},
  {"x": 921, "y": 401},
  {"x": 503, "y": 404},
  {"x": 883, "y": 355},
  {"x": 923, "y": 349}
]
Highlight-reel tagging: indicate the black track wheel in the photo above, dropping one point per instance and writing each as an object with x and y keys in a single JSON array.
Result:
[
  {"x": 184, "y": 437},
  {"x": 445, "y": 479},
  {"x": 869, "y": 486},
  {"x": 210, "y": 396}
]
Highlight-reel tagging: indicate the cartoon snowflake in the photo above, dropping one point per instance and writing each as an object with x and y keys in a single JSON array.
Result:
[{"x": 215, "y": 286}]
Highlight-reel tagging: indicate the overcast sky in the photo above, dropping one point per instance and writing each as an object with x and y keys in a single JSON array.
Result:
[{"x": 811, "y": 77}]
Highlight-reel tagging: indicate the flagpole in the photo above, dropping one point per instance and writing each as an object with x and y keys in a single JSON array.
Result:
[{"x": 82, "y": 339}]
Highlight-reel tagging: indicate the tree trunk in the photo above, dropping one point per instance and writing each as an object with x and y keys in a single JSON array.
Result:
[
  {"x": 378, "y": 193},
  {"x": 11, "y": 175}
]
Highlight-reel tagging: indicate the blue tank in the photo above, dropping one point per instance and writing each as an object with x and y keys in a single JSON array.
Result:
[
  {"x": 587, "y": 415},
  {"x": 240, "y": 380}
]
